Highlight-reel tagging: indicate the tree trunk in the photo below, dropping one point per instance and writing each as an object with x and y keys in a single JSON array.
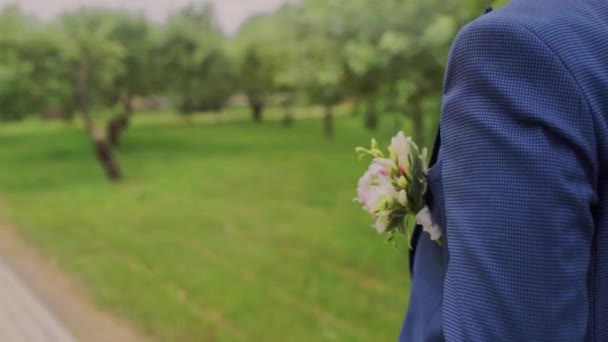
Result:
[
  {"x": 257, "y": 108},
  {"x": 84, "y": 101},
  {"x": 328, "y": 121},
  {"x": 116, "y": 126},
  {"x": 120, "y": 123},
  {"x": 70, "y": 109},
  {"x": 101, "y": 148},
  {"x": 371, "y": 114},
  {"x": 104, "y": 153},
  {"x": 288, "y": 118}
]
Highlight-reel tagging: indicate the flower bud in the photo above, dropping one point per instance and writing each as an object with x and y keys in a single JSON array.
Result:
[
  {"x": 402, "y": 182},
  {"x": 375, "y": 145},
  {"x": 402, "y": 198}
]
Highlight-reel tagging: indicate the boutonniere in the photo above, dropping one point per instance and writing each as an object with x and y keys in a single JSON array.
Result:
[{"x": 393, "y": 188}]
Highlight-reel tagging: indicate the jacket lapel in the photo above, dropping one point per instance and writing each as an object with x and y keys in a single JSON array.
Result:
[{"x": 418, "y": 228}]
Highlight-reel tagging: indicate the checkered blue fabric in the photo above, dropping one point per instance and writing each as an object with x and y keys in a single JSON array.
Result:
[{"x": 521, "y": 182}]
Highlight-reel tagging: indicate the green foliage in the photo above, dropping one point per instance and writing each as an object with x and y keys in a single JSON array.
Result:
[
  {"x": 93, "y": 57},
  {"x": 391, "y": 52},
  {"x": 257, "y": 55},
  {"x": 30, "y": 67},
  {"x": 193, "y": 62},
  {"x": 109, "y": 55},
  {"x": 136, "y": 36},
  {"x": 390, "y": 55}
]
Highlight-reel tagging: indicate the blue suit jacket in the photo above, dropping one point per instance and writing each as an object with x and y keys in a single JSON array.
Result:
[{"x": 520, "y": 186}]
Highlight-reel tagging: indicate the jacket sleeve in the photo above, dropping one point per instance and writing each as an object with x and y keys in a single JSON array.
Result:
[{"x": 519, "y": 157}]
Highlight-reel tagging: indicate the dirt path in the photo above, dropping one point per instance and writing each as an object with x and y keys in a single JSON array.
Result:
[{"x": 58, "y": 299}]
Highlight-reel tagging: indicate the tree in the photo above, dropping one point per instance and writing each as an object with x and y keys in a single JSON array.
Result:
[
  {"x": 92, "y": 63},
  {"x": 135, "y": 36},
  {"x": 387, "y": 56},
  {"x": 195, "y": 67},
  {"x": 27, "y": 60},
  {"x": 284, "y": 51},
  {"x": 256, "y": 60},
  {"x": 321, "y": 78},
  {"x": 15, "y": 72},
  {"x": 390, "y": 52}
]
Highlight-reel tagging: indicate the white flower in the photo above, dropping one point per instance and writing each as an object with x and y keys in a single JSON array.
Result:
[
  {"x": 381, "y": 221},
  {"x": 425, "y": 219},
  {"x": 400, "y": 148},
  {"x": 374, "y": 187}
]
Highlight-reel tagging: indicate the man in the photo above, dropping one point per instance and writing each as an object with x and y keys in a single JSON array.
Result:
[{"x": 520, "y": 183}]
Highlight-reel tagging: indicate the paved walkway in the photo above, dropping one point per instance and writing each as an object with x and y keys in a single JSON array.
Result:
[{"x": 23, "y": 317}]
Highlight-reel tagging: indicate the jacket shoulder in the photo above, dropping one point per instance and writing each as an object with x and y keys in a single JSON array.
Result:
[{"x": 557, "y": 23}]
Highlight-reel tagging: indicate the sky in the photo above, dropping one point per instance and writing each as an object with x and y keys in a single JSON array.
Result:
[{"x": 231, "y": 13}]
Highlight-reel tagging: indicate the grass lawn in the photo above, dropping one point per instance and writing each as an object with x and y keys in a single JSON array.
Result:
[{"x": 225, "y": 232}]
